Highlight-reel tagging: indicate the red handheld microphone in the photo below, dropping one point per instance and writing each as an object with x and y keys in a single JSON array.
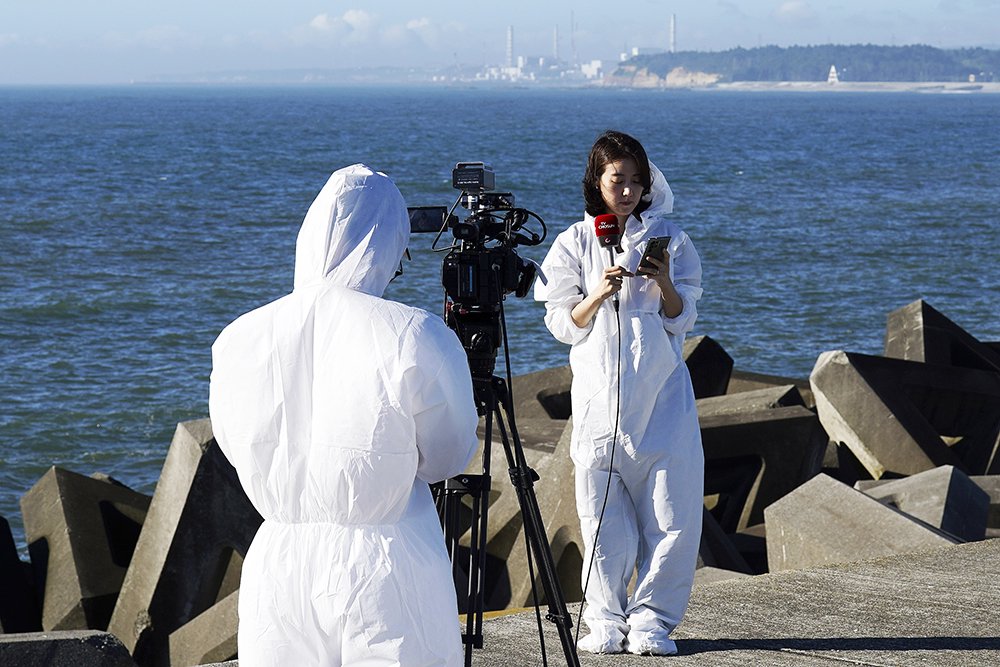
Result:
[
  {"x": 608, "y": 235},
  {"x": 606, "y": 226}
]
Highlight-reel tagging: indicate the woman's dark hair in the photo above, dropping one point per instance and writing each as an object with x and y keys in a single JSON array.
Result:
[{"x": 609, "y": 147}]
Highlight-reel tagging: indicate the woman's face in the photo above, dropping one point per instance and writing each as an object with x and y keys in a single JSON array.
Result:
[{"x": 621, "y": 187}]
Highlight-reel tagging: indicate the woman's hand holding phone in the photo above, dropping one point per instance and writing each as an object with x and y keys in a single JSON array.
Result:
[{"x": 655, "y": 262}]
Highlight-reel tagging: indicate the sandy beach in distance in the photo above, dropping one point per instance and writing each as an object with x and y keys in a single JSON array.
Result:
[{"x": 865, "y": 86}]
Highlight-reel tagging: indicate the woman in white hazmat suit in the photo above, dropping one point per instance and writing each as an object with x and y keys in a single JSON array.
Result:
[
  {"x": 654, "y": 482},
  {"x": 337, "y": 407}
]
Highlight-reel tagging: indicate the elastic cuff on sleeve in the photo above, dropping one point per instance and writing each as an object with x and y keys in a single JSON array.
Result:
[{"x": 682, "y": 323}]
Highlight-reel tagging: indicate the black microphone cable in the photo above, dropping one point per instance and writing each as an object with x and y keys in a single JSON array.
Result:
[{"x": 611, "y": 464}]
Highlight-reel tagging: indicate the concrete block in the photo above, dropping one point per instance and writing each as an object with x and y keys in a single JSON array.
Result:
[
  {"x": 841, "y": 463},
  {"x": 751, "y": 542},
  {"x": 507, "y": 581},
  {"x": 540, "y": 437},
  {"x": 18, "y": 607},
  {"x": 991, "y": 485},
  {"x": 709, "y": 365},
  {"x": 825, "y": 522},
  {"x": 543, "y": 394},
  {"x": 537, "y": 433},
  {"x": 944, "y": 497},
  {"x": 753, "y": 459},
  {"x": 745, "y": 402},
  {"x": 730, "y": 484},
  {"x": 198, "y": 529},
  {"x": 81, "y": 533},
  {"x": 904, "y": 417},
  {"x": 918, "y": 332},
  {"x": 740, "y": 381},
  {"x": 730, "y": 480},
  {"x": 716, "y": 550},
  {"x": 68, "y": 648},
  {"x": 209, "y": 637}
]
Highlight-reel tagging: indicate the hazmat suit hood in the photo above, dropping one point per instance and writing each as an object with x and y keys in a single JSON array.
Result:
[
  {"x": 660, "y": 196},
  {"x": 354, "y": 233}
]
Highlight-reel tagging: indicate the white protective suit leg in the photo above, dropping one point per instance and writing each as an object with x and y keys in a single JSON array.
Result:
[
  {"x": 607, "y": 596},
  {"x": 652, "y": 524},
  {"x": 667, "y": 487}
]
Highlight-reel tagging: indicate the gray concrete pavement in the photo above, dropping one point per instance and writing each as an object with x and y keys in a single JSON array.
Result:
[{"x": 938, "y": 608}]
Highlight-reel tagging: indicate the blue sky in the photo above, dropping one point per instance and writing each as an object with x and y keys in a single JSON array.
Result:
[{"x": 111, "y": 41}]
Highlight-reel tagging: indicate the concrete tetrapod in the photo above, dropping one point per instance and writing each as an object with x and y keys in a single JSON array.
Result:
[
  {"x": 918, "y": 332},
  {"x": 81, "y": 534},
  {"x": 904, "y": 417},
  {"x": 190, "y": 552},
  {"x": 944, "y": 497},
  {"x": 825, "y": 521}
]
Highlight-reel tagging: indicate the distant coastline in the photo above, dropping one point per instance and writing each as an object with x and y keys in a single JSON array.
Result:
[
  {"x": 952, "y": 87},
  {"x": 826, "y": 68},
  {"x": 609, "y": 83},
  {"x": 856, "y": 64}
]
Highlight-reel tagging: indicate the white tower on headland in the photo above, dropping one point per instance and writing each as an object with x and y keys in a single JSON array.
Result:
[
  {"x": 510, "y": 46},
  {"x": 673, "y": 33},
  {"x": 555, "y": 43},
  {"x": 832, "y": 76}
]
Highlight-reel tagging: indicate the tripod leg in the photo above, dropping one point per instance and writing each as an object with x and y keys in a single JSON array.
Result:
[{"x": 449, "y": 495}]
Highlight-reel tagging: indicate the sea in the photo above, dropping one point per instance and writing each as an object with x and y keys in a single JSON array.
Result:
[{"x": 137, "y": 221}]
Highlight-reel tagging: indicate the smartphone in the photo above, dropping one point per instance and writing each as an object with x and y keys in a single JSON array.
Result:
[{"x": 655, "y": 247}]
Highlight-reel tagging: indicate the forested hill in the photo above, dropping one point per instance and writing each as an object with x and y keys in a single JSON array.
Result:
[{"x": 812, "y": 63}]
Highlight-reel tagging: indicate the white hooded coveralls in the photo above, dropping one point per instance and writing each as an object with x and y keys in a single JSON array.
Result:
[
  {"x": 337, "y": 407},
  {"x": 653, "y": 518}
]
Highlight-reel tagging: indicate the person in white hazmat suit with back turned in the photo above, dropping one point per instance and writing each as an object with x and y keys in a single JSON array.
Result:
[
  {"x": 635, "y": 434},
  {"x": 337, "y": 407}
]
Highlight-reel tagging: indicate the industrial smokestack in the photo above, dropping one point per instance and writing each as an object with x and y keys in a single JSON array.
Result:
[{"x": 510, "y": 46}]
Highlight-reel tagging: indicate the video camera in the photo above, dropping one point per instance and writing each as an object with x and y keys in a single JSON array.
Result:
[{"x": 482, "y": 267}]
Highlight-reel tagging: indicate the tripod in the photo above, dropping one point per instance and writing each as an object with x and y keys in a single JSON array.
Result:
[{"x": 493, "y": 399}]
